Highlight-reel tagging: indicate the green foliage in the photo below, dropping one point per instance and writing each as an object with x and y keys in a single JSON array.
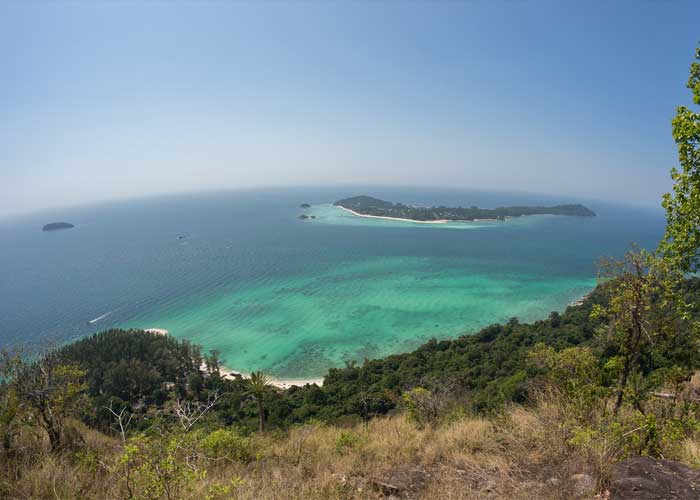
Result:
[
  {"x": 647, "y": 322},
  {"x": 132, "y": 364},
  {"x": 227, "y": 444},
  {"x": 584, "y": 437},
  {"x": 576, "y": 373},
  {"x": 367, "y": 205},
  {"x": 88, "y": 459},
  {"x": 224, "y": 491},
  {"x": 682, "y": 240},
  {"x": 51, "y": 392},
  {"x": 650, "y": 434},
  {"x": 423, "y": 406},
  {"x": 10, "y": 404},
  {"x": 346, "y": 440},
  {"x": 153, "y": 467},
  {"x": 259, "y": 383}
]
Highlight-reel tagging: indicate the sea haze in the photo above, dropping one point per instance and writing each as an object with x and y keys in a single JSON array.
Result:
[{"x": 239, "y": 272}]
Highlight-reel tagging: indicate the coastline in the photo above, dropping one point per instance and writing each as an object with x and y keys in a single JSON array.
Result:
[
  {"x": 437, "y": 221},
  {"x": 581, "y": 300},
  {"x": 229, "y": 374}
]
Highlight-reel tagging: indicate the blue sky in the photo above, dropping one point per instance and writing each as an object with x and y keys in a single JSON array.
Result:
[{"x": 104, "y": 100}]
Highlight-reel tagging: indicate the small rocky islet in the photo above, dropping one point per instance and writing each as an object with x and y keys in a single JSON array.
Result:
[
  {"x": 57, "y": 226},
  {"x": 305, "y": 216}
]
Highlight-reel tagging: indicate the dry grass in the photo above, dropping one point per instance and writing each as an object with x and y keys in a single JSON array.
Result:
[
  {"x": 522, "y": 454},
  {"x": 690, "y": 452}
]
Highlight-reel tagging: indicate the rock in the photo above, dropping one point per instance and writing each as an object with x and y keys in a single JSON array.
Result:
[
  {"x": 400, "y": 480},
  {"x": 584, "y": 485},
  {"x": 643, "y": 478},
  {"x": 305, "y": 205},
  {"x": 303, "y": 217}
]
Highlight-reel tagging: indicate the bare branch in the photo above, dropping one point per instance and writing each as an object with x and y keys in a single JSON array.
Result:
[
  {"x": 189, "y": 412},
  {"x": 121, "y": 420}
]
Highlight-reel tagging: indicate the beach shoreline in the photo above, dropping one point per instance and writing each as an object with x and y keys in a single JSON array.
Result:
[
  {"x": 230, "y": 374},
  {"x": 438, "y": 221},
  {"x": 275, "y": 382},
  {"x": 581, "y": 300}
]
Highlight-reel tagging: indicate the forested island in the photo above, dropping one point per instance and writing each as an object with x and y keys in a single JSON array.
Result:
[
  {"x": 369, "y": 206},
  {"x": 55, "y": 226}
]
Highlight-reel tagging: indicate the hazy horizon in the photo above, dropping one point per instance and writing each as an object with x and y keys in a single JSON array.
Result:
[
  {"x": 122, "y": 100},
  {"x": 508, "y": 197}
]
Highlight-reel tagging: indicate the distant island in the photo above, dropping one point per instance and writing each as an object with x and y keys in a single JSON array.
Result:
[
  {"x": 55, "y": 226},
  {"x": 305, "y": 205},
  {"x": 368, "y": 206}
]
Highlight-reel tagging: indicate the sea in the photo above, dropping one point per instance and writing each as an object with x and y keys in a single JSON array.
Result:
[{"x": 239, "y": 272}]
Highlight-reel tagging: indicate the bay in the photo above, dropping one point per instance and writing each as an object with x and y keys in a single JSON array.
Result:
[{"x": 237, "y": 271}]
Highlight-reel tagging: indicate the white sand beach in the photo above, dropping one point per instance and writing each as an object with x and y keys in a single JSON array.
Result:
[
  {"x": 156, "y": 331},
  {"x": 229, "y": 374},
  {"x": 439, "y": 221},
  {"x": 286, "y": 384},
  {"x": 280, "y": 383}
]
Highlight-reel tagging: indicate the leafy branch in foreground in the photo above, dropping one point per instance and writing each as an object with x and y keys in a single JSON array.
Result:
[
  {"x": 647, "y": 326},
  {"x": 52, "y": 392},
  {"x": 682, "y": 239}
]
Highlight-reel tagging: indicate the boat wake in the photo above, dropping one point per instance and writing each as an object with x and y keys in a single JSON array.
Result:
[{"x": 93, "y": 321}]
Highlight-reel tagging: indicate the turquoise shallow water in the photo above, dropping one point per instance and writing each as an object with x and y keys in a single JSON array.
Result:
[
  {"x": 238, "y": 272},
  {"x": 300, "y": 326}
]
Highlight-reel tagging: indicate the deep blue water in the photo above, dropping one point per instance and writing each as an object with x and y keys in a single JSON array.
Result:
[{"x": 125, "y": 260}]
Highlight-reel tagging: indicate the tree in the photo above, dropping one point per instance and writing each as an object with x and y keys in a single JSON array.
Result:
[
  {"x": 10, "y": 404},
  {"x": 648, "y": 323},
  {"x": 213, "y": 362},
  {"x": 682, "y": 239},
  {"x": 53, "y": 392},
  {"x": 574, "y": 372},
  {"x": 259, "y": 383}
]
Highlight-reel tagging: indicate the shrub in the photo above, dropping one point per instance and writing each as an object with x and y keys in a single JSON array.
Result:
[
  {"x": 423, "y": 406},
  {"x": 227, "y": 444},
  {"x": 346, "y": 440}
]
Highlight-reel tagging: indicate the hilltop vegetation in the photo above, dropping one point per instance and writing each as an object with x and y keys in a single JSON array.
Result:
[
  {"x": 366, "y": 205},
  {"x": 522, "y": 454}
]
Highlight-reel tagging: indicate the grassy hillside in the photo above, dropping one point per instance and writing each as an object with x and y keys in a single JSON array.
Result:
[{"x": 521, "y": 453}]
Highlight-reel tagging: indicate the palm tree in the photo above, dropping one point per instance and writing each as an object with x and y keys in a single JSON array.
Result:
[{"x": 258, "y": 384}]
